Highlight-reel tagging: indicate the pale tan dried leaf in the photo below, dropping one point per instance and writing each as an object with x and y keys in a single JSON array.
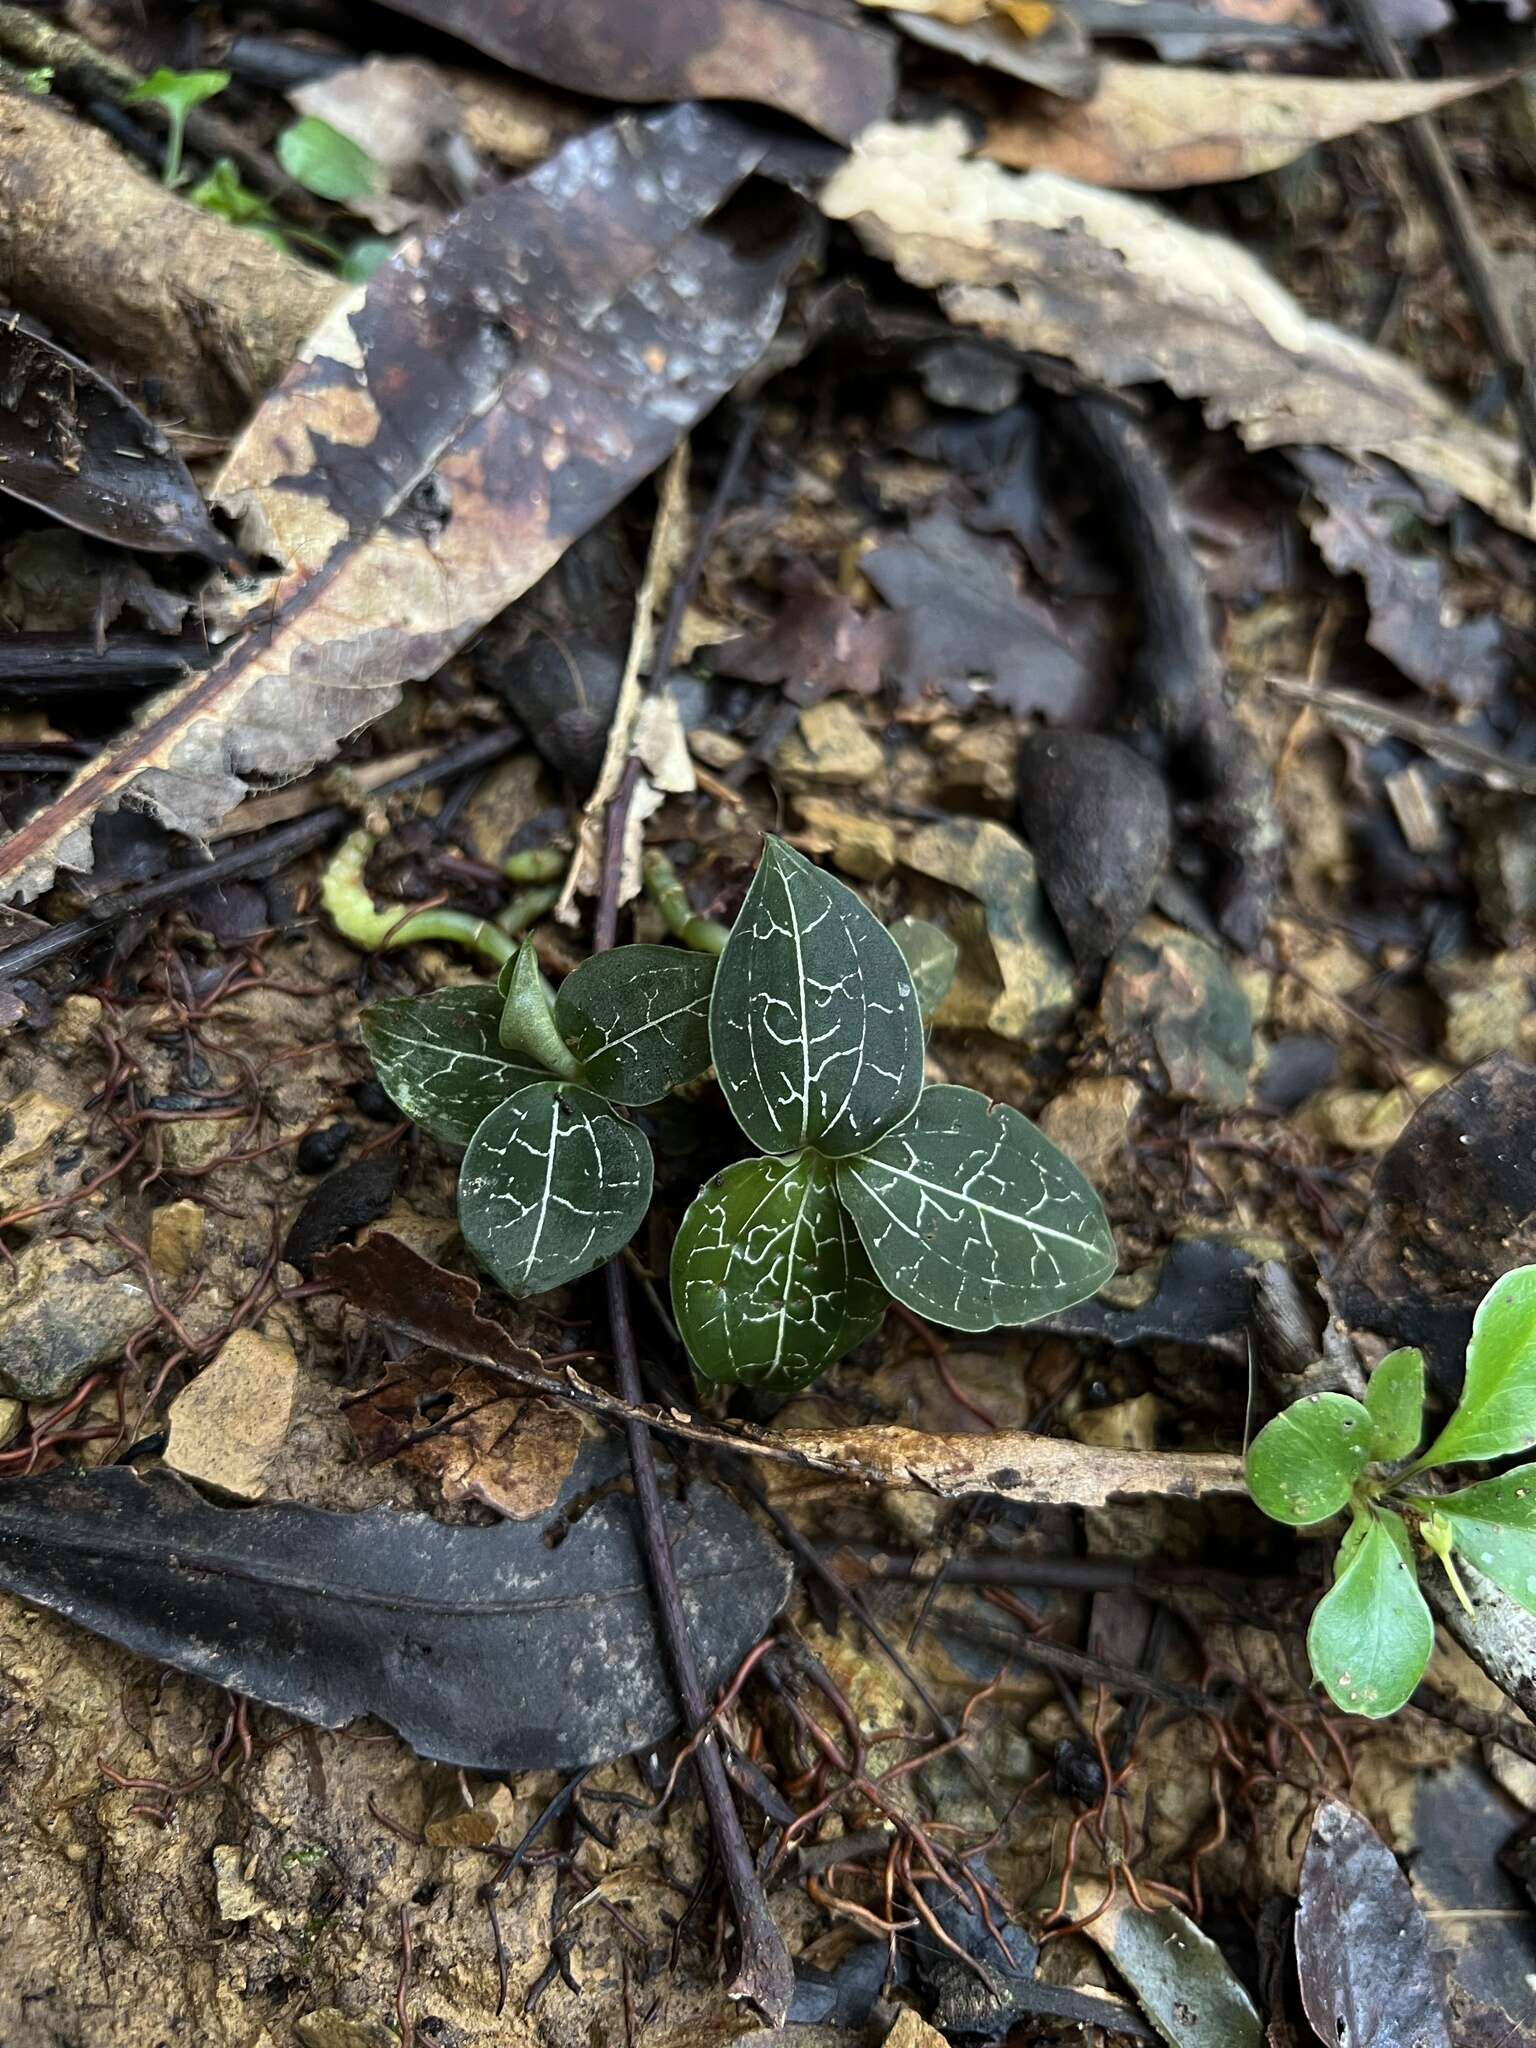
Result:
[
  {"x": 1128, "y": 294},
  {"x": 1016, "y": 1464},
  {"x": 1154, "y": 127}
]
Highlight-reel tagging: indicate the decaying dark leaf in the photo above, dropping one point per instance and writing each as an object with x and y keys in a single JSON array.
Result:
[
  {"x": 820, "y": 59},
  {"x": 73, "y": 445},
  {"x": 1453, "y": 1208},
  {"x": 487, "y": 1648},
  {"x": 1365, "y": 507},
  {"x": 1128, "y": 293},
  {"x": 1200, "y": 1292},
  {"x": 1185, "y": 1985},
  {"x": 1362, "y": 1944},
  {"x": 448, "y": 432},
  {"x": 479, "y": 1438},
  {"x": 819, "y": 642},
  {"x": 962, "y": 616}
]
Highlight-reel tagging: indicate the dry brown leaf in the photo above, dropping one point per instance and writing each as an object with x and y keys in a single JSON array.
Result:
[
  {"x": 1154, "y": 127},
  {"x": 447, "y": 433},
  {"x": 1129, "y": 294},
  {"x": 511, "y": 1451},
  {"x": 1015, "y": 1464}
]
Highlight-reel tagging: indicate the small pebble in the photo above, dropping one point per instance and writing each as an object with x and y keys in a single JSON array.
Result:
[{"x": 320, "y": 1150}]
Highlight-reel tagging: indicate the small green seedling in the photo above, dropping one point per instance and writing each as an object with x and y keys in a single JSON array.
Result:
[
  {"x": 326, "y": 162},
  {"x": 865, "y": 1186},
  {"x": 178, "y": 92},
  {"x": 1372, "y": 1632}
]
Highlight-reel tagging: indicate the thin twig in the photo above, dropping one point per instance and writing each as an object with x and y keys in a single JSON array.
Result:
[{"x": 764, "y": 1974}]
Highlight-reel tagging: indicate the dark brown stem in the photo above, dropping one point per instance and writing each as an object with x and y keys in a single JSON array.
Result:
[{"x": 764, "y": 1975}]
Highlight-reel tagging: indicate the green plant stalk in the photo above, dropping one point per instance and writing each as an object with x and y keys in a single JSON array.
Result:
[
  {"x": 537, "y": 864},
  {"x": 346, "y": 900},
  {"x": 526, "y": 908},
  {"x": 703, "y": 934}
]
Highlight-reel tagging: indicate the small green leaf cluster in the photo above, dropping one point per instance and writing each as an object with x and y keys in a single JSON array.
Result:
[
  {"x": 1372, "y": 1632},
  {"x": 556, "y": 1179},
  {"x": 865, "y": 1186}
]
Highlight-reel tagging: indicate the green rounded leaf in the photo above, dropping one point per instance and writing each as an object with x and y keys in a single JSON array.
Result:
[
  {"x": 553, "y": 1184},
  {"x": 971, "y": 1216},
  {"x": 1372, "y": 1632},
  {"x": 770, "y": 1284},
  {"x": 1493, "y": 1526},
  {"x": 638, "y": 1019},
  {"x": 1394, "y": 1395},
  {"x": 326, "y": 162},
  {"x": 931, "y": 954},
  {"x": 814, "y": 1022},
  {"x": 1303, "y": 1465},
  {"x": 1496, "y": 1414},
  {"x": 439, "y": 1058}
]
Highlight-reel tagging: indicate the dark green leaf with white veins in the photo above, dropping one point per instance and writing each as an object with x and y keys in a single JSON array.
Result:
[
  {"x": 439, "y": 1059},
  {"x": 1497, "y": 1411},
  {"x": 638, "y": 1019},
  {"x": 972, "y": 1217},
  {"x": 1372, "y": 1632},
  {"x": 770, "y": 1284},
  {"x": 814, "y": 1022},
  {"x": 552, "y": 1185},
  {"x": 1394, "y": 1395},
  {"x": 1493, "y": 1526},
  {"x": 1303, "y": 1465}
]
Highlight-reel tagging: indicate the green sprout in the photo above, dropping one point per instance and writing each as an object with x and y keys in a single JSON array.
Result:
[
  {"x": 1372, "y": 1632},
  {"x": 326, "y": 162},
  {"x": 178, "y": 92},
  {"x": 864, "y": 1185}
]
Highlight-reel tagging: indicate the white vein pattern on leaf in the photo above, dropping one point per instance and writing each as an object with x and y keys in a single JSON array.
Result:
[
  {"x": 696, "y": 1006},
  {"x": 767, "y": 1273},
  {"x": 512, "y": 1212},
  {"x": 824, "y": 1021},
  {"x": 983, "y": 1264}
]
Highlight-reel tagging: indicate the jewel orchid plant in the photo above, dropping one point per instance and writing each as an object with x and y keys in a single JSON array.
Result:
[
  {"x": 1372, "y": 1633},
  {"x": 864, "y": 1186}
]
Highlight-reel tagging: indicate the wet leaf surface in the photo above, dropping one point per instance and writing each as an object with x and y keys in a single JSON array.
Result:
[
  {"x": 73, "y": 445},
  {"x": 447, "y": 434},
  {"x": 441, "y": 1059},
  {"x": 1362, "y": 1944},
  {"x": 814, "y": 1023},
  {"x": 770, "y": 1284},
  {"x": 1493, "y": 1525},
  {"x": 552, "y": 1185},
  {"x": 486, "y": 1648},
  {"x": 823, "y": 61},
  {"x": 972, "y": 1217}
]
